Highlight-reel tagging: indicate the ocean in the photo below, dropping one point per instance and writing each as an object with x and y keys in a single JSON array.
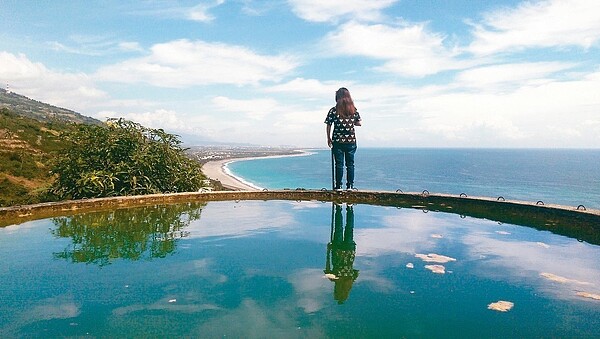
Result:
[{"x": 555, "y": 176}]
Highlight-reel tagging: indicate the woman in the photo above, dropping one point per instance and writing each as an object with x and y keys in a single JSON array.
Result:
[{"x": 343, "y": 116}]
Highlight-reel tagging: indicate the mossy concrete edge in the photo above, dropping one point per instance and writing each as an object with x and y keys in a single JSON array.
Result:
[{"x": 423, "y": 200}]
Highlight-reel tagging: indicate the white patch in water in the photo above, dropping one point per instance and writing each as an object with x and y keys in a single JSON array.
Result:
[
  {"x": 436, "y": 258},
  {"x": 439, "y": 269},
  {"x": 501, "y": 306}
]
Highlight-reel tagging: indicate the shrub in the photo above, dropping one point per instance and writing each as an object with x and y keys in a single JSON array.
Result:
[{"x": 122, "y": 158}]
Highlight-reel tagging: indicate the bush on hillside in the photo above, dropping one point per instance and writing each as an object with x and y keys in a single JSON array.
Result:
[
  {"x": 122, "y": 158},
  {"x": 12, "y": 193}
]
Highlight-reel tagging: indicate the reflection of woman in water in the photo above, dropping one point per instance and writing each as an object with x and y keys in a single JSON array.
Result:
[{"x": 340, "y": 254}]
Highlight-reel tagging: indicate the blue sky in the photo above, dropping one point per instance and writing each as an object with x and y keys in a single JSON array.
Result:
[{"x": 423, "y": 73}]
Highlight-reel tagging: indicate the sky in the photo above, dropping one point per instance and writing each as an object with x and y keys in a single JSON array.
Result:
[{"x": 422, "y": 73}]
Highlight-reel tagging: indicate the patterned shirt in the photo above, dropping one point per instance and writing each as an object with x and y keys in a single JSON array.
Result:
[{"x": 343, "y": 128}]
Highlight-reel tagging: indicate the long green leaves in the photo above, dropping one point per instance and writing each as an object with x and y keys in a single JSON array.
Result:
[{"x": 123, "y": 158}]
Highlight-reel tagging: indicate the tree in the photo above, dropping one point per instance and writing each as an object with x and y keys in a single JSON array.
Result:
[{"x": 122, "y": 158}]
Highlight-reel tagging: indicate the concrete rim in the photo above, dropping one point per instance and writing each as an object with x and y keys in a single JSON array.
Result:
[{"x": 574, "y": 222}]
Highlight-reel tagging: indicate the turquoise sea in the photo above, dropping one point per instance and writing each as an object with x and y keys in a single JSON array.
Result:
[{"x": 555, "y": 176}]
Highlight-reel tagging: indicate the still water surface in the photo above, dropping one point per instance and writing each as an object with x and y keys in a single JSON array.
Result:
[{"x": 292, "y": 269}]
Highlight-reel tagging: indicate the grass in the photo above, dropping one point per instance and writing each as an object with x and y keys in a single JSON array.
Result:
[{"x": 26, "y": 148}]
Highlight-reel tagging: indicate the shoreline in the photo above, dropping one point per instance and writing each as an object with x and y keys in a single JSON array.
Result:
[{"x": 218, "y": 170}]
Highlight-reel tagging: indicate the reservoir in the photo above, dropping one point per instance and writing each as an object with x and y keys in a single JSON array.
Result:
[{"x": 293, "y": 269}]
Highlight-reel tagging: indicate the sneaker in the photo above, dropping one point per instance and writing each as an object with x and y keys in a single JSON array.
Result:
[
  {"x": 337, "y": 189},
  {"x": 351, "y": 188}
]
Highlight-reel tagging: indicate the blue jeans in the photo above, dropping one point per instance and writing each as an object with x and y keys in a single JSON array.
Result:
[{"x": 343, "y": 152}]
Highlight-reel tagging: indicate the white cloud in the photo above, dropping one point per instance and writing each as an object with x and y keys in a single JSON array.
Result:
[
  {"x": 254, "y": 109},
  {"x": 538, "y": 24},
  {"x": 172, "y": 10},
  {"x": 549, "y": 114},
  {"x": 511, "y": 74},
  {"x": 537, "y": 104},
  {"x": 94, "y": 45},
  {"x": 160, "y": 118},
  {"x": 183, "y": 63},
  {"x": 311, "y": 88},
  {"x": 201, "y": 12},
  {"x": 71, "y": 90},
  {"x": 257, "y": 7},
  {"x": 61, "y": 47},
  {"x": 130, "y": 46},
  {"x": 510, "y": 105},
  {"x": 332, "y": 10},
  {"x": 267, "y": 121},
  {"x": 408, "y": 50}
]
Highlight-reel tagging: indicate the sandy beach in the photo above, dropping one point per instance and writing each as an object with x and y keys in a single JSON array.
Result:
[{"x": 216, "y": 170}]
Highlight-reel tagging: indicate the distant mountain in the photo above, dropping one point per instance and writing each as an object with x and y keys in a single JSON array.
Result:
[{"x": 26, "y": 107}]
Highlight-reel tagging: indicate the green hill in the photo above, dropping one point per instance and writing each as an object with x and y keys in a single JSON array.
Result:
[
  {"x": 26, "y": 147},
  {"x": 26, "y": 107},
  {"x": 33, "y": 140},
  {"x": 29, "y": 137}
]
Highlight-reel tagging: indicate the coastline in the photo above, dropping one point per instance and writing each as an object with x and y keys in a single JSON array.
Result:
[{"x": 218, "y": 170}]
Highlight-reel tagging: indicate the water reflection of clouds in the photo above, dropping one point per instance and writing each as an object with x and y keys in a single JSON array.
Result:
[
  {"x": 372, "y": 277},
  {"x": 410, "y": 231},
  {"x": 502, "y": 255},
  {"x": 205, "y": 268},
  {"x": 205, "y": 271},
  {"x": 255, "y": 320},
  {"x": 575, "y": 261},
  {"x": 311, "y": 288},
  {"x": 164, "y": 304},
  {"x": 378, "y": 231},
  {"x": 59, "y": 307},
  {"x": 407, "y": 231},
  {"x": 302, "y": 205},
  {"x": 21, "y": 228},
  {"x": 230, "y": 219},
  {"x": 313, "y": 292}
]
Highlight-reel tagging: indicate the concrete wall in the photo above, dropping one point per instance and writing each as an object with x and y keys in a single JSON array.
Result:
[{"x": 576, "y": 222}]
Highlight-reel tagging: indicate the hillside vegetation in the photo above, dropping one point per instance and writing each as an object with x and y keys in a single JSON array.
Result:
[
  {"x": 49, "y": 153},
  {"x": 122, "y": 158},
  {"x": 30, "y": 108},
  {"x": 26, "y": 149}
]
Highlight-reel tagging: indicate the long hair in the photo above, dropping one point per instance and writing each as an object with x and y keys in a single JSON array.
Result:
[{"x": 344, "y": 104}]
